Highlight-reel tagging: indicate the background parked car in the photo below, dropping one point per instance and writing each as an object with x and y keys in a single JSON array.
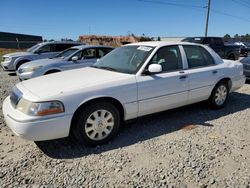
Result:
[
  {"x": 246, "y": 66},
  {"x": 131, "y": 81},
  {"x": 216, "y": 43},
  {"x": 43, "y": 50},
  {"x": 72, "y": 58},
  {"x": 244, "y": 48}
]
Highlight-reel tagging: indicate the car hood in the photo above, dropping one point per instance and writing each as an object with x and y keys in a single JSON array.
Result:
[
  {"x": 17, "y": 54},
  {"x": 72, "y": 81},
  {"x": 42, "y": 62}
]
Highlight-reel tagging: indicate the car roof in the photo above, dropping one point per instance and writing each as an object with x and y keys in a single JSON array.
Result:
[
  {"x": 63, "y": 42},
  {"x": 160, "y": 43},
  {"x": 90, "y": 46}
]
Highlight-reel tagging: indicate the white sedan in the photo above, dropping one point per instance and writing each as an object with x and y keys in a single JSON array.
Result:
[{"x": 132, "y": 81}]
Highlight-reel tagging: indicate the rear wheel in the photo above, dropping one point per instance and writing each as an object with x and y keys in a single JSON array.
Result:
[
  {"x": 97, "y": 123},
  {"x": 219, "y": 95}
]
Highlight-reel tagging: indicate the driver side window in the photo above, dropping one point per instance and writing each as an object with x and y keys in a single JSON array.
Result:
[
  {"x": 89, "y": 53},
  {"x": 44, "y": 49},
  {"x": 169, "y": 58}
]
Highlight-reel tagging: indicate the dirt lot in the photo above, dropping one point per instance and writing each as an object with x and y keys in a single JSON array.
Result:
[{"x": 187, "y": 147}]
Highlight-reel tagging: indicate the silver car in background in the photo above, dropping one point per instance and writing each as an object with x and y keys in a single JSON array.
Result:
[
  {"x": 72, "y": 58},
  {"x": 12, "y": 61},
  {"x": 246, "y": 66}
]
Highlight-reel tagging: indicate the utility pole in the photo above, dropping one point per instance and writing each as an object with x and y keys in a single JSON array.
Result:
[{"x": 208, "y": 11}]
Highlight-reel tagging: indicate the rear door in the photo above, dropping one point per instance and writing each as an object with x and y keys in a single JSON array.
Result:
[{"x": 202, "y": 72}]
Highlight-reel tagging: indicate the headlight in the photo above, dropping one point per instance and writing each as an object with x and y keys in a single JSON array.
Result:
[
  {"x": 29, "y": 69},
  {"x": 40, "y": 108},
  {"x": 6, "y": 59}
]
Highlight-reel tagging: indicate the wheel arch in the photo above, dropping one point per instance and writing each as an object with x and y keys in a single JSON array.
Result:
[
  {"x": 112, "y": 100},
  {"x": 227, "y": 80},
  {"x": 230, "y": 54},
  {"x": 52, "y": 70},
  {"x": 20, "y": 60}
]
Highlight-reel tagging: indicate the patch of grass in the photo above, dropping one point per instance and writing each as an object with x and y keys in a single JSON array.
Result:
[{"x": 4, "y": 51}]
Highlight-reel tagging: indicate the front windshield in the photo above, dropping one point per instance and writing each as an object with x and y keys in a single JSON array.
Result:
[
  {"x": 126, "y": 59},
  {"x": 33, "y": 48},
  {"x": 66, "y": 53}
]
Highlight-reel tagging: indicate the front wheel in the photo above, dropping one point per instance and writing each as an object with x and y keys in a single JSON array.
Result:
[
  {"x": 219, "y": 95},
  {"x": 97, "y": 123}
]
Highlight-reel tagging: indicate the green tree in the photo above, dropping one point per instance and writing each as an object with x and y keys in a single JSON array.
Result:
[{"x": 227, "y": 36}]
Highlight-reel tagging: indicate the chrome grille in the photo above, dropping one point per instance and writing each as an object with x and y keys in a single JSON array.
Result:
[{"x": 15, "y": 96}]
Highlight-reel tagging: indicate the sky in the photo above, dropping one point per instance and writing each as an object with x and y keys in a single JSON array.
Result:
[{"x": 56, "y": 19}]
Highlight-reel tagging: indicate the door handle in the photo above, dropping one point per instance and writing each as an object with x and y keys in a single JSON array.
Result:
[
  {"x": 215, "y": 72},
  {"x": 183, "y": 77}
]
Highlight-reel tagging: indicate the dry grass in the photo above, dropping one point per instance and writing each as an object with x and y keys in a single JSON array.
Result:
[{"x": 6, "y": 51}]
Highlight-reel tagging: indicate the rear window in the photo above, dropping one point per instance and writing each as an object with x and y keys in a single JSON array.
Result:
[{"x": 198, "y": 57}]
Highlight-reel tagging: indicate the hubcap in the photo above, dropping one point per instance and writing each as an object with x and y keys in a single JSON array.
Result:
[
  {"x": 221, "y": 95},
  {"x": 99, "y": 125}
]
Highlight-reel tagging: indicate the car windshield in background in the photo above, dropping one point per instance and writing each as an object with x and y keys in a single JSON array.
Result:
[
  {"x": 33, "y": 48},
  {"x": 126, "y": 59},
  {"x": 66, "y": 53}
]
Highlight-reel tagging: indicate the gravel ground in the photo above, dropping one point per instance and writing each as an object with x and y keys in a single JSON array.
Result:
[{"x": 186, "y": 147}]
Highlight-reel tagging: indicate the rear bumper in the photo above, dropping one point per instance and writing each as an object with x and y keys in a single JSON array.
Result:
[
  {"x": 35, "y": 129},
  {"x": 238, "y": 82}
]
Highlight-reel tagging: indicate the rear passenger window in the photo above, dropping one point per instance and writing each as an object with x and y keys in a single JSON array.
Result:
[{"x": 197, "y": 56}]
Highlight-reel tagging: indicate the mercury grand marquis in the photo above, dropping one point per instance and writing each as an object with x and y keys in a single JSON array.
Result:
[{"x": 131, "y": 81}]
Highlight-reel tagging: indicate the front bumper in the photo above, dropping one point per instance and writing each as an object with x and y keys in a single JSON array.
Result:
[
  {"x": 7, "y": 65},
  {"x": 24, "y": 75},
  {"x": 35, "y": 128}
]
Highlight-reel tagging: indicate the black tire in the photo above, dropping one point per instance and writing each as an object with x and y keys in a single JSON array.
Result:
[
  {"x": 79, "y": 129},
  {"x": 51, "y": 72},
  {"x": 213, "y": 100},
  {"x": 20, "y": 63},
  {"x": 231, "y": 57}
]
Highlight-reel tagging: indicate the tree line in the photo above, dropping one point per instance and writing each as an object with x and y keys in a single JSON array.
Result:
[{"x": 237, "y": 38}]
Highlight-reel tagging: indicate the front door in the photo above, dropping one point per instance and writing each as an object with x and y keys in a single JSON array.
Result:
[{"x": 164, "y": 90}]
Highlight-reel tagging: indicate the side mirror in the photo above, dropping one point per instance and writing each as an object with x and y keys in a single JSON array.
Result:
[
  {"x": 154, "y": 68},
  {"x": 74, "y": 58}
]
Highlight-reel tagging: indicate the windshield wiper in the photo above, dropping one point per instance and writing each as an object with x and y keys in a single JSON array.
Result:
[
  {"x": 105, "y": 68},
  {"x": 109, "y": 68}
]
